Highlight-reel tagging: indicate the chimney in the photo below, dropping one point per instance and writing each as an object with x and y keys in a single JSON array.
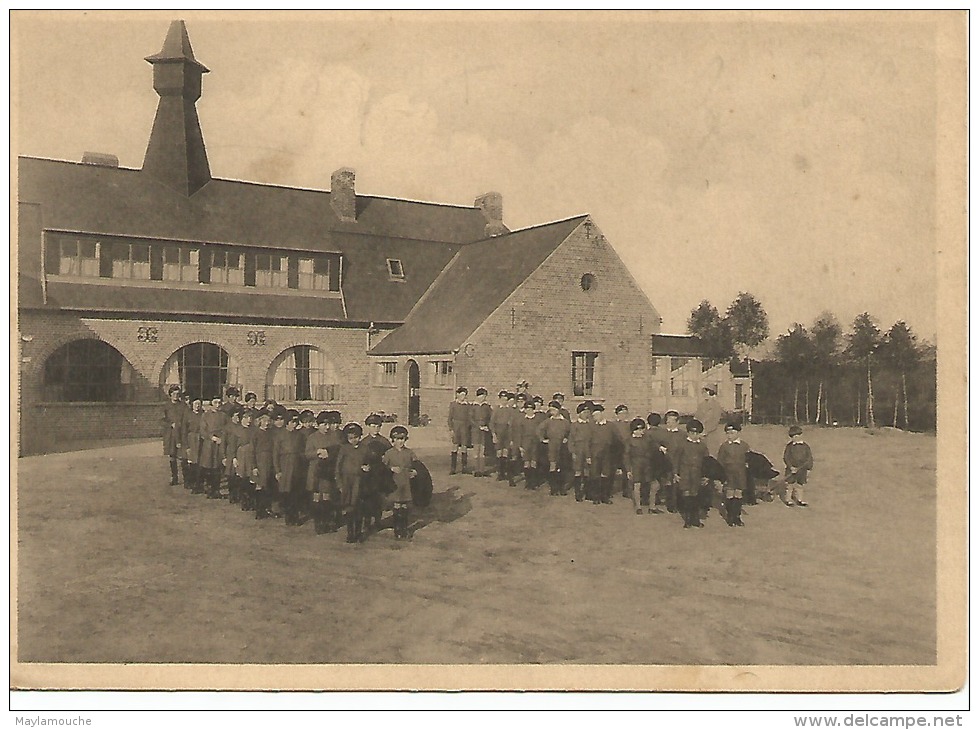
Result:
[
  {"x": 175, "y": 154},
  {"x": 100, "y": 159},
  {"x": 343, "y": 198},
  {"x": 492, "y": 206}
]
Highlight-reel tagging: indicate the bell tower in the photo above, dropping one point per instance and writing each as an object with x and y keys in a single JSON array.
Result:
[{"x": 175, "y": 154}]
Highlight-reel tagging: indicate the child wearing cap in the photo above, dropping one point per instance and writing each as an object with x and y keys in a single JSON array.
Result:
[
  {"x": 375, "y": 444},
  {"x": 321, "y": 452},
  {"x": 638, "y": 465},
  {"x": 500, "y": 432},
  {"x": 661, "y": 469},
  {"x": 690, "y": 471},
  {"x": 599, "y": 459},
  {"x": 243, "y": 460},
  {"x": 287, "y": 462},
  {"x": 620, "y": 427},
  {"x": 579, "y": 439},
  {"x": 213, "y": 424},
  {"x": 798, "y": 463},
  {"x": 263, "y": 443},
  {"x": 191, "y": 433},
  {"x": 733, "y": 456},
  {"x": 515, "y": 426},
  {"x": 459, "y": 428},
  {"x": 526, "y": 430},
  {"x": 351, "y": 469},
  {"x": 673, "y": 438},
  {"x": 553, "y": 433},
  {"x": 559, "y": 397},
  {"x": 480, "y": 414},
  {"x": 173, "y": 420},
  {"x": 232, "y": 437},
  {"x": 399, "y": 459}
]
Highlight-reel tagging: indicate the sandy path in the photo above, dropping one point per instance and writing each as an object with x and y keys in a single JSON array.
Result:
[{"x": 116, "y": 566}]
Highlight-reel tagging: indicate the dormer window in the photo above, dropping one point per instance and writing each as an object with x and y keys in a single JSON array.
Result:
[{"x": 395, "y": 270}]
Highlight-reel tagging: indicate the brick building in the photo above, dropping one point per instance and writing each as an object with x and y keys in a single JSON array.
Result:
[{"x": 133, "y": 279}]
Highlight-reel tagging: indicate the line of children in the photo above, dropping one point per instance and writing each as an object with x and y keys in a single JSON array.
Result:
[
  {"x": 649, "y": 463},
  {"x": 299, "y": 460}
]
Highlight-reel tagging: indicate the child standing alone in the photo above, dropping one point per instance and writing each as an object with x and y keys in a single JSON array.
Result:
[{"x": 798, "y": 463}]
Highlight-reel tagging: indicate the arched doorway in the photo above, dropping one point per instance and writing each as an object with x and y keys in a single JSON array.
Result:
[
  {"x": 201, "y": 369},
  {"x": 414, "y": 393}
]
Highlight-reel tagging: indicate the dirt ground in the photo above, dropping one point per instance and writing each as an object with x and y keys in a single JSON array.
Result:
[{"x": 115, "y": 565}]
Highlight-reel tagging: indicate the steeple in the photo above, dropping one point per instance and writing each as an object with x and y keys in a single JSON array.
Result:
[{"x": 175, "y": 154}]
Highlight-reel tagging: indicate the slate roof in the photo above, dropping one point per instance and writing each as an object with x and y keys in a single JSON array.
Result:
[
  {"x": 472, "y": 287},
  {"x": 677, "y": 346},
  {"x": 122, "y": 201}
]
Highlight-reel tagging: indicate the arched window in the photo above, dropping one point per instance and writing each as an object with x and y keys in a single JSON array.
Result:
[
  {"x": 201, "y": 369},
  {"x": 302, "y": 373},
  {"x": 88, "y": 371}
]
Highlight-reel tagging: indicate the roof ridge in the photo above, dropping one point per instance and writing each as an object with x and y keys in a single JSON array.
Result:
[{"x": 534, "y": 227}]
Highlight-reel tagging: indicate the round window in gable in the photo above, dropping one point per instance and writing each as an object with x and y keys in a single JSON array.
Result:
[{"x": 587, "y": 282}]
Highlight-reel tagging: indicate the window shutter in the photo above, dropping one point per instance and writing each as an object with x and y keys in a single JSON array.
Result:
[
  {"x": 249, "y": 269},
  {"x": 52, "y": 254},
  {"x": 105, "y": 259},
  {"x": 335, "y": 273},
  {"x": 293, "y": 272},
  {"x": 204, "y": 267},
  {"x": 156, "y": 263}
]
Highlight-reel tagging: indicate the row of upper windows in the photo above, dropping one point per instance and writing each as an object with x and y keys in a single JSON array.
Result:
[{"x": 101, "y": 257}]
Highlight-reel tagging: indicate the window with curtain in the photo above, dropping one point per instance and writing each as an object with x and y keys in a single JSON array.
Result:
[
  {"x": 583, "y": 373},
  {"x": 227, "y": 267},
  {"x": 131, "y": 261},
  {"x": 180, "y": 263},
  {"x": 78, "y": 257},
  {"x": 271, "y": 271},
  {"x": 303, "y": 373},
  {"x": 442, "y": 373},
  {"x": 314, "y": 273},
  {"x": 88, "y": 371}
]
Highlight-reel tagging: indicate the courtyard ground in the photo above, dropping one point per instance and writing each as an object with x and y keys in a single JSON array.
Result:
[{"x": 115, "y": 565}]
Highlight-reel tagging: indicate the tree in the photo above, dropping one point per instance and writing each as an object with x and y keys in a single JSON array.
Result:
[
  {"x": 827, "y": 341},
  {"x": 863, "y": 342},
  {"x": 899, "y": 349},
  {"x": 795, "y": 351},
  {"x": 748, "y": 324},
  {"x": 709, "y": 327}
]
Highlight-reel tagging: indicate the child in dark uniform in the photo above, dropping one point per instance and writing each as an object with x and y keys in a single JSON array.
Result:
[
  {"x": 673, "y": 438},
  {"x": 375, "y": 444},
  {"x": 579, "y": 439},
  {"x": 500, "y": 431},
  {"x": 173, "y": 419},
  {"x": 690, "y": 470},
  {"x": 600, "y": 464},
  {"x": 480, "y": 413},
  {"x": 798, "y": 463},
  {"x": 399, "y": 460},
  {"x": 459, "y": 428},
  {"x": 620, "y": 427},
  {"x": 321, "y": 452},
  {"x": 287, "y": 461},
  {"x": 637, "y": 464},
  {"x": 553, "y": 433},
  {"x": 351, "y": 470},
  {"x": 263, "y": 443},
  {"x": 732, "y": 455}
]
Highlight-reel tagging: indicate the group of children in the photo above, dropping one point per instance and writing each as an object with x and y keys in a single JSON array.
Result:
[
  {"x": 303, "y": 462},
  {"x": 596, "y": 457}
]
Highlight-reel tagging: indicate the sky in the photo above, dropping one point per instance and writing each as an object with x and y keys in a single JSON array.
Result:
[{"x": 792, "y": 159}]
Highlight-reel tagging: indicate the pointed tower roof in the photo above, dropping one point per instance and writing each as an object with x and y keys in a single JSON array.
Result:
[
  {"x": 175, "y": 154},
  {"x": 176, "y": 47}
]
